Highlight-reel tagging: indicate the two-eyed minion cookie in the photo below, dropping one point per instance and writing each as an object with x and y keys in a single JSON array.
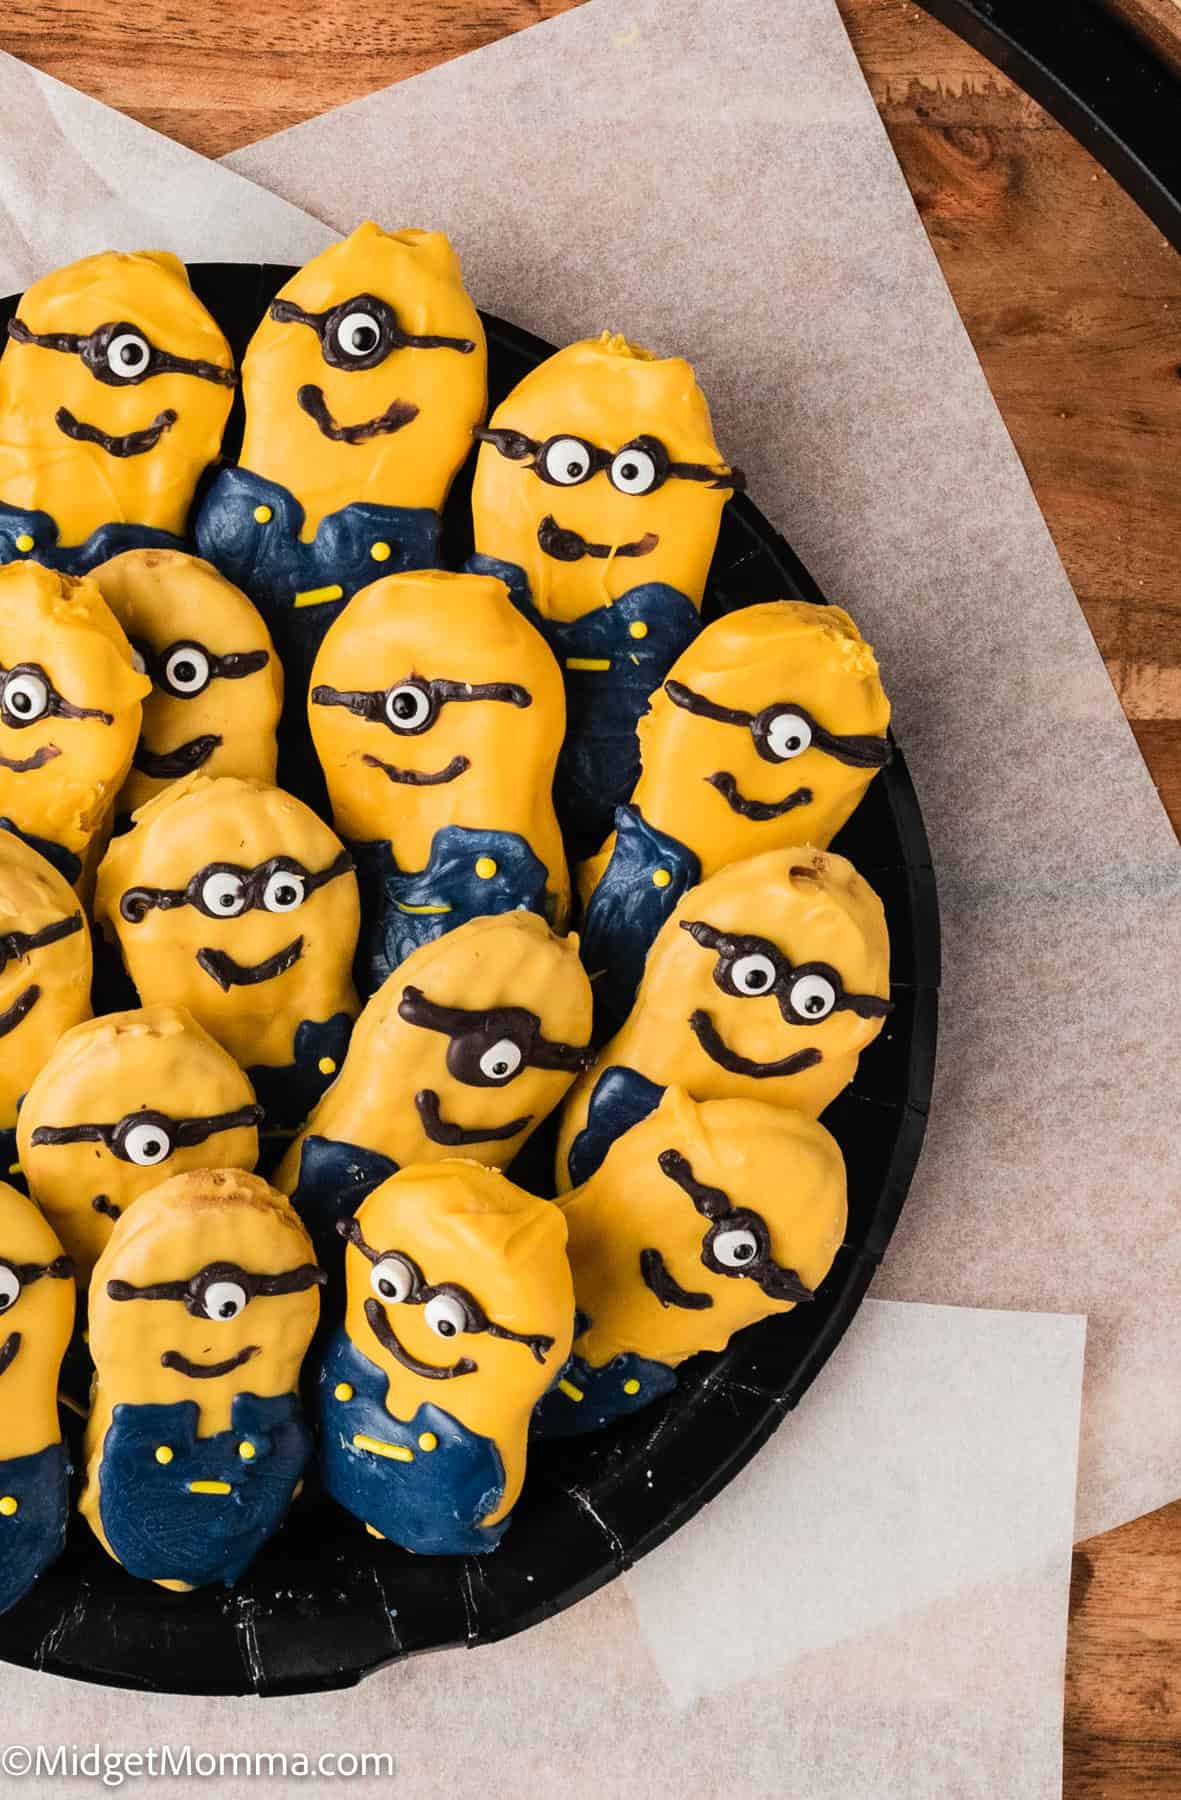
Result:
[
  {"x": 459, "y": 1316},
  {"x": 202, "y": 1307},
  {"x": 437, "y": 714}
]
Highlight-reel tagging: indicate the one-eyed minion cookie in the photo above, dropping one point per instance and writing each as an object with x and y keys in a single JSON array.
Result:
[
  {"x": 464, "y": 1051},
  {"x": 232, "y": 899},
  {"x": 45, "y": 971},
  {"x": 36, "y": 1319},
  {"x": 701, "y": 1220},
  {"x": 115, "y": 386},
  {"x": 125, "y": 1101},
  {"x": 598, "y": 495},
  {"x": 459, "y": 1316},
  {"x": 217, "y": 685},
  {"x": 766, "y": 733},
  {"x": 202, "y": 1307},
  {"x": 437, "y": 714},
  {"x": 70, "y": 709},
  {"x": 767, "y": 982}
]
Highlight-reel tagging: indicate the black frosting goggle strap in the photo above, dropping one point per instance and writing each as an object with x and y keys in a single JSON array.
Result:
[
  {"x": 27, "y": 695},
  {"x": 16, "y": 945},
  {"x": 750, "y": 967},
  {"x": 246, "y": 889},
  {"x": 173, "y": 1133},
  {"x": 859, "y": 751},
  {"x": 420, "y": 1290},
  {"x": 537, "y": 453},
  {"x": 776, "y": 1280},
  {"x": 194, "y": 1290},
  {"x": 475, "y": 1035},
  {"x": 25, "y": 1274},
  {"x": 414, "y": 703},
  {"x": 119, "y": 355},
  {"x": 185, "y": 668},
  {"x": 361, "y": 332}
]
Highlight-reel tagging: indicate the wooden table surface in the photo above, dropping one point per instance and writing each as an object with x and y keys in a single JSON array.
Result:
[{"x": 1073, "y": 301}]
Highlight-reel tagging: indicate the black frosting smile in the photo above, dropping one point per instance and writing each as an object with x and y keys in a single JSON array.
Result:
[
  {"x": 382, "y": 1330},
  {"x": 419, "y": 777},
  {"x": 440, "y": 1132},
  {"x": 716, "y": 1048},
  {"x": 23, "y": 765},
  {"x": 8, "y": 1350},
  {"x": 133, "y": 443},
  {"x": 660, "y": 1280},
  {"x": 227, "y": 973},
  {"x": 397, "y": 414},
  {"x": 172, "y": 1359},
  {"x": 565, "y": 545},
  {"x": 758, "y": 810},
  {"x": 20, "y": 1009},
  {"x": 169, "y": 765}
]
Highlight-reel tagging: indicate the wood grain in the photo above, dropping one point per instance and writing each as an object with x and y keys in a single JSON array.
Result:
[{"x": 1073, "y": 301}]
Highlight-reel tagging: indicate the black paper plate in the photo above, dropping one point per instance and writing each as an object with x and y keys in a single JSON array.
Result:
[{"x": 324, "y": 1604}]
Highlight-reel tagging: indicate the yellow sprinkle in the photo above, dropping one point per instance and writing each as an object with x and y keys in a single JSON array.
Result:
[
  {"x": 314, "y": 596},
  {"x": 637, "y": 629},
  {"x": 210, "y": 1487},
  {"x": 588, "y": 662},
  {"x": 8, "y": 1505},
  {"x": 661, "y": 878},
  {"x": 428, "y": 1441},
  {"x": 163, "y": 1454},
  {"x": 485, "y": 867},
  {"x": 263, "y": 514},
  {"x": 342, "y": 1391},
  {"x": 571, "y": 1392},
  {"x": 24, "y": 542},
  {"x": 632, "y": 1386},
  {"x": 380, "y": 552},
  {"x": 403, "y": 906},
  {"x": 374, "y": 1532},
  {"x": 247, "y": 1451},
  {"x": 14, "y": 1168},
  {"x": 395, "y": 1452},
  {"x": 326, "y": 1066}
]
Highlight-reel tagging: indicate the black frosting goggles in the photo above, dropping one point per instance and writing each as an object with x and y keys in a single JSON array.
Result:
[
  {"x": 147, "y": 1137},
  {"x": 119, "y": 355},
  {"x": 784, "y": 730},
  {"x": 750, "y": 968},
  {"x": 15, "y": 1277},
  {"x": 224, "y": 890},
  {"x": 220, "y": 1291},
  {"x": 15, "y": 946},
  {"x": 487, "y": 1049},
  {"x": 638, "y": 468},
  {"x": 186, "y": 668},
  {"x": 737, "y": 1242},
  {"x": 360, "y": 333}
]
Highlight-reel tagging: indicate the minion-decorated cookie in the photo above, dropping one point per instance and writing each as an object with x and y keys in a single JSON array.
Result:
[
  {"x": 45, "y": 972},
  {"x": 766, "y": 982},
  {"x": 463, "y": 1052},
  {"x": 232, "y": 899},
  {"x": 766, "y": 733},
  {"x": 202, "y": 1307},
  {"x": 701, "y": 1220},
  {"x": 36, "y": 1319},
  {"x": 459, "y": 1316},
  {"x": 362, "y": 386},
  {"x": 125, "y": 1101},
  {"x": 598, "y": 495},
  {"x": 70, "y": 707},
  {"x": 437, "y": 713},
  {"x": 217, "y": 685},
  {"x": 115, "y": 386}
]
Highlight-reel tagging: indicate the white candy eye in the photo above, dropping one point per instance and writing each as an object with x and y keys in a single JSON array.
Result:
[
  {"x": 446, "y": 1315},
  {"x": 501, "y": 1062},
  {"x": 26, "y": 697},
  {"x": 754, "y": 974},
  {"x": 128, "y": 355},
  {"x": 187, "y": 670},
  {"x": 392, "y": 1280},
  {"x": 358, "y": 335},
  {"x": 735, "y": 1249},
  {"x": 284, "y": 891},
  {"x": 147, "y": 1144},
  {"x": 813, "y": 996},
  {"x": 633, "y": 472},
  {"x": 566, "y": 461},
  {"x": 10, "y": 1289},
  {"x": 788, "y": 735},
  {"x": 223, "y": 895},
  {"x": 407, "y": 707},
  {"x": 223, "y": 1301}
]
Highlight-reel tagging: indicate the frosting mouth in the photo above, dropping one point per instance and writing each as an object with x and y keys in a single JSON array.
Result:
[
  {"x": 228, "y": 974},
  {"x": 23, "y": 765},
  {"x": 397, "y": 414},
  {"x": 20, "y": 1009},
  {"x": 660, "y": 1280},
  {"x": 758, "y": 810},
  {"x": 717, "y": 1049},
  {"x": 132, "y": 443},
  {"x": 419, "y": 777},
  {"x": 195, "y": 1371},
  {"x": 383, "y": 1331},
  {"x": 565, "y": 545},
  {"x": 441, "y": 1132},
  {"x": 169, "y": 765},
  {"x": 8, "y": 1350}
]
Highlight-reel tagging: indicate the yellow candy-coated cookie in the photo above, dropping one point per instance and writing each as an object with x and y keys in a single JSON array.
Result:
[
  {"x": 36, "y": 1319},
  {"x": 46, "y": 968}
]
